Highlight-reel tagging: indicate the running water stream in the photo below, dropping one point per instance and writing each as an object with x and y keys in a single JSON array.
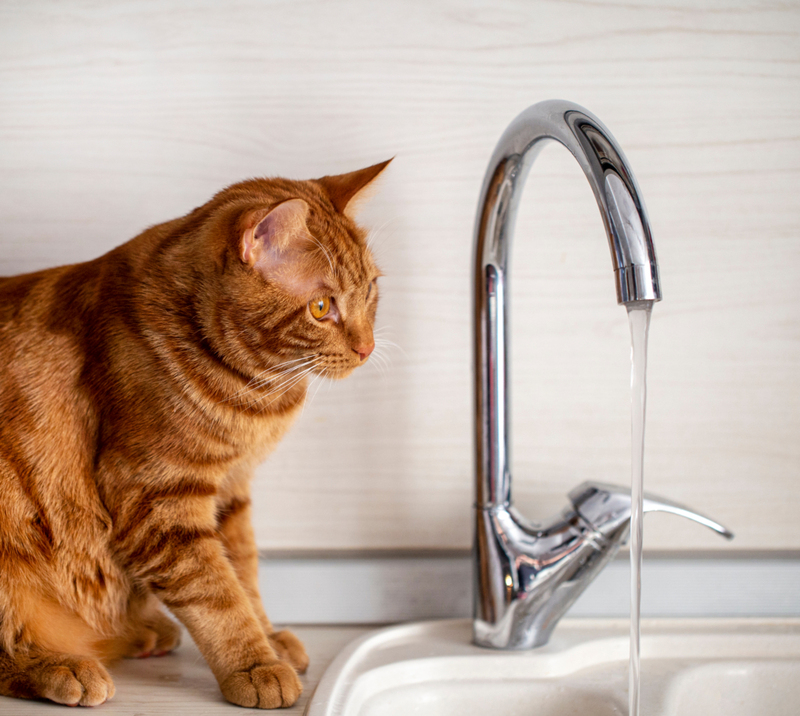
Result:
[{"x": 639, "y": 319}]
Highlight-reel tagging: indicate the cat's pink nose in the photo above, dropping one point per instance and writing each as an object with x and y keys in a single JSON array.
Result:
[{"x": 364, "y": 350}]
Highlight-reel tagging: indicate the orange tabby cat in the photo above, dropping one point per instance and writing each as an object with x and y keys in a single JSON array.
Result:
[{"x": 137, "y": 393}]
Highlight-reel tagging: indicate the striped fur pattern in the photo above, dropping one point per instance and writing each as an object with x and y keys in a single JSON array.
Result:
[{"x": 137, "y": 393}]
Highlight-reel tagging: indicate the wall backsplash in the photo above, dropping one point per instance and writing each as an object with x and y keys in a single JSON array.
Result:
[{"x": 118, "y": 115}]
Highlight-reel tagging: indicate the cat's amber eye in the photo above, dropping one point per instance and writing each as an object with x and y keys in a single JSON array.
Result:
[{"x": 320, "y": 307}]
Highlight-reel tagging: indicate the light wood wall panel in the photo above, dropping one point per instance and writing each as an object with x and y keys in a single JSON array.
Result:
[{"x": 119, "y": 114}]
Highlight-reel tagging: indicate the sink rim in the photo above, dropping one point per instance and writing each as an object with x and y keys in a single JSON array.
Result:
[{"x": 585, "y": 641}]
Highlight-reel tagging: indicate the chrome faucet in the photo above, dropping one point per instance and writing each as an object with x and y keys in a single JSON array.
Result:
[{"x": 527, "y": 575}]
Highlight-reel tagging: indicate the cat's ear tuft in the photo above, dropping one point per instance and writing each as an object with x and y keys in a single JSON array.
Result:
[
  {"x": 343, "y": 189},
  {"x": 277, "y": 246}
]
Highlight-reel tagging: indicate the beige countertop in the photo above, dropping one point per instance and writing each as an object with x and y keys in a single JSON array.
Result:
[{"x": 182, "y": 683}]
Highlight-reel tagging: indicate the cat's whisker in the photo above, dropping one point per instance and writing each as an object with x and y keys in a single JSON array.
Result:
[
  {"x": 385, "y": 361},
  {"x": 277, "y": 395},
  {"x": 291, "y": 384},
  {"x": 322, "y": 380},
  {"x": 318, "y": 380},
  {"x": 277, "y": 371},
  {"x": 382, "y": 332},
  {"x": 381, "y": 338},
  {"x": 285, "y": 376},
  {"x": 292, "y": 377},
  {"x": 384, "y": 353},
  {"x": 274, "y": 373},
  {"x": 380, "y": 361},
  {"x": 257, "y": 384},
  {"x": 377, "y": 236},
  {"x": 379, "y": 365},
  {"x": 327, "y": 256},
  {"x": 288, "y": 364},
  {"x": 293, "y": 360},
  {"x": 305, "y": 399},
  {"x": 384, "y": 345},
  {"x": 282, "y": 388}
]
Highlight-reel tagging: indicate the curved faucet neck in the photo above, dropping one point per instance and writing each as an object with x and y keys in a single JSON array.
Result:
[
  {"x": 632, "y": 251},
  {"x": 606, "y": 168}
]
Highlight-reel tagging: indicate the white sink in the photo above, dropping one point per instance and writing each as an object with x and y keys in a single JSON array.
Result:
[{"x": 690, "y": 667}]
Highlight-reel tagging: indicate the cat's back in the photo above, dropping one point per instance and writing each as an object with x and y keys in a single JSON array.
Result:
[
  {"x": 44, "y": 317},
  {"x": 20, "y": 294},
  {"x": 39, "y": 313}
]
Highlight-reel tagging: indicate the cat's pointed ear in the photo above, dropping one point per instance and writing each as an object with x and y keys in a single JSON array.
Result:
[
  {"x": 277, "y": 245},
  {"x": 343, "y": 189}
]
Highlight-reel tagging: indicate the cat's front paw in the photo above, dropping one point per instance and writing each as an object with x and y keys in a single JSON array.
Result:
[
  {"x": 266, "y": 686},
  {"x": 74, "y": 681},
  {"x": 290, "y": 648}
]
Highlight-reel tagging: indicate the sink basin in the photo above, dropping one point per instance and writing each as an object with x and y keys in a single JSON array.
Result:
[{"x": 691, "y": 667}]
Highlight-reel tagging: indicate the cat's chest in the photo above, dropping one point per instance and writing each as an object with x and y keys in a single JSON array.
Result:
[
  {"x": 254, "y": 435},
  {"x": 205, "y": 443},
  {"x": 268, "y": 431}
]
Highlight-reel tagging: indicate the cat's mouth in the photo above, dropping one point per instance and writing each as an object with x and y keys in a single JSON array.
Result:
[
  {"x": 336, "y": 372},
  {"x": 337, "y": 367}
]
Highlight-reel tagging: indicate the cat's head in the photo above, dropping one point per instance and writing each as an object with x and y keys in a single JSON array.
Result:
[{"x": 307, "y": 280}]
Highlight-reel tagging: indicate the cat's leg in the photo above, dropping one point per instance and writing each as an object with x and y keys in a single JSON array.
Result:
[
  {"x": 235, "y": 526},
  {"x": 35, "y": 635},
  {"x": 47, "y": 650},
  {"x": 31, "y": 672},
  {"x": 176, "y": 550},
  {"x": 149, "y": 632}
]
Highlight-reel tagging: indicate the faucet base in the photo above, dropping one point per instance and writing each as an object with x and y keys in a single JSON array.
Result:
[{"x": 527, "y": 576}]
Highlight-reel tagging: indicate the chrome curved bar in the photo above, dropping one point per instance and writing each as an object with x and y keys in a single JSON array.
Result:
[{"x": 526, "y": 575}]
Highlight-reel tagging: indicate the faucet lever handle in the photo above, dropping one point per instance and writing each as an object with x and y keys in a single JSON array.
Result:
[
  {"x": 653, "y": 503},
  {"x": 608, "y": 508}
]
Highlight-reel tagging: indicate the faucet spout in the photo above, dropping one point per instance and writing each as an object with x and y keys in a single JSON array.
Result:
[
  {"x": 526, "y": 575},
  {"x": 605, "y": 166}
]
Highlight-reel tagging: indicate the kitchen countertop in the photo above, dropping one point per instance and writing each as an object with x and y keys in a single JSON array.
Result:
[{"x": 181, "y": 682}]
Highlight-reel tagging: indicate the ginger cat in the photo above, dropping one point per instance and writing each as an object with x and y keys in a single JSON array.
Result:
[{"x": 137, "y": 393}]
